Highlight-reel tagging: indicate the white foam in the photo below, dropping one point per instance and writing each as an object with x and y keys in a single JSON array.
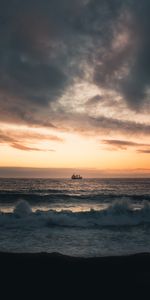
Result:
[{"x": 120, "y": 213}]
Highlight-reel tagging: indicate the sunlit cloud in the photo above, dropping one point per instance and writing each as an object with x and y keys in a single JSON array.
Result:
[
  {"x": 124, "y": 145},
  {"x": 146, "y": 151},
  {"x": 27, "y": 148},
  {"x": 21, "y": 139}
]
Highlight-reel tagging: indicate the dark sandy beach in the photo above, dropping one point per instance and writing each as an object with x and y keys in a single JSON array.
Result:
[{"x": 46, "y": 273}]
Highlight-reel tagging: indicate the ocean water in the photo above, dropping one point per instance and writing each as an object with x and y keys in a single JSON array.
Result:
[{"x": 88, "y": 217}]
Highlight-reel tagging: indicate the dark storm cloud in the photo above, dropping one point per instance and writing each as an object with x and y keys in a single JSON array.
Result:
[
  {"x": 25, "y": 71},
  {"x": 136, "y": 84},
  {"x": 126, "y": 67},
  {"x": 35, "y": 56},
  {"x": 46, "y": 45}
]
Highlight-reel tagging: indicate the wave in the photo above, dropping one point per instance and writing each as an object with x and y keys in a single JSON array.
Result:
[
  {"x": 33, "y": 199},
  {"x": 120, "y": 213}
]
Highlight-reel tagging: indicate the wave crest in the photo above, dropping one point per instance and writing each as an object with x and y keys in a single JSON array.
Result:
[
  {"x": 22, "y": 209},
  {"x": 120, "y": 213}
]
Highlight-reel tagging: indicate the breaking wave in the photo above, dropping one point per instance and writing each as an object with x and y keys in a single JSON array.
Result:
[
  {"x": 22, "y": 209},
  {"x": 120, "y": 213}
]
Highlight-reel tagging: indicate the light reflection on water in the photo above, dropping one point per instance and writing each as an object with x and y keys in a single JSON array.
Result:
[{"x": 69, "y": 207}]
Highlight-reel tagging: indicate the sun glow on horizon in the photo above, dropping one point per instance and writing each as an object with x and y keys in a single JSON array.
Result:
[{"x": 54, "y": 149}]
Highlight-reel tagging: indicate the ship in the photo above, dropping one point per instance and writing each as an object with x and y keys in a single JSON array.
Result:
[{"x": 76, "y": 176}]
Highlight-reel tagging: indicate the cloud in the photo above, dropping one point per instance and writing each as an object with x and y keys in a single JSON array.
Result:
[
  {"x": 123, "y": 145},
  {"x": 136, "y": 84},
  {"x": 28, "y": 135},
  {"x": 47, "y": 46},
  {"x": 143, "y": 151},
  {"x": 4, "y": 138},
  {"x": 112, "y": 125},
  {"x": 36, "y": 57},
  {"x": 14, "y": 135},
  {"x": 27, "y": 148},
  {"x": 22, "y": 139},
  {"x": 94, "y": 100},
  {"x": 125, "y": 62}
]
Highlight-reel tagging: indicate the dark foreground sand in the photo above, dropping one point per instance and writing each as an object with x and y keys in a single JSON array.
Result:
[{"x": 55, "y": 276}]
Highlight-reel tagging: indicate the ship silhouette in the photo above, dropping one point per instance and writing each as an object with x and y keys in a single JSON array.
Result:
[{"x": 76, "y": 176}]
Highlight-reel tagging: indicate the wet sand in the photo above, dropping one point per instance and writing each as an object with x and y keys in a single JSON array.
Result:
[{"x": 44, "y": 274}]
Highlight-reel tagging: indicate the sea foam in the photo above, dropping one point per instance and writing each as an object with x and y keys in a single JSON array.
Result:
[{"x": 120, "y": 213}]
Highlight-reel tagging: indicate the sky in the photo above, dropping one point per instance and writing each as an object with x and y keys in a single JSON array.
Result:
[{"x": 75, "y": 87}]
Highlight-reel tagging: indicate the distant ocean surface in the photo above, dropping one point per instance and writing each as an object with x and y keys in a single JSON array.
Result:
[{"x": 88, "y": 217}]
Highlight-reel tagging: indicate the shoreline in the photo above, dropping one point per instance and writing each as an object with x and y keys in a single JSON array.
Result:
[
  {"x": 61, "y": 256},
  {"x": 44, "y": 254},
  {"x": 142, "y": 258},
  {"x": 135, "y": 263},
  {"x": 111, "y": 275}
]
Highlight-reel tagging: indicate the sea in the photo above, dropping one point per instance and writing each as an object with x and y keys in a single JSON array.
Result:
[{"x": 88, "y": 217}]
